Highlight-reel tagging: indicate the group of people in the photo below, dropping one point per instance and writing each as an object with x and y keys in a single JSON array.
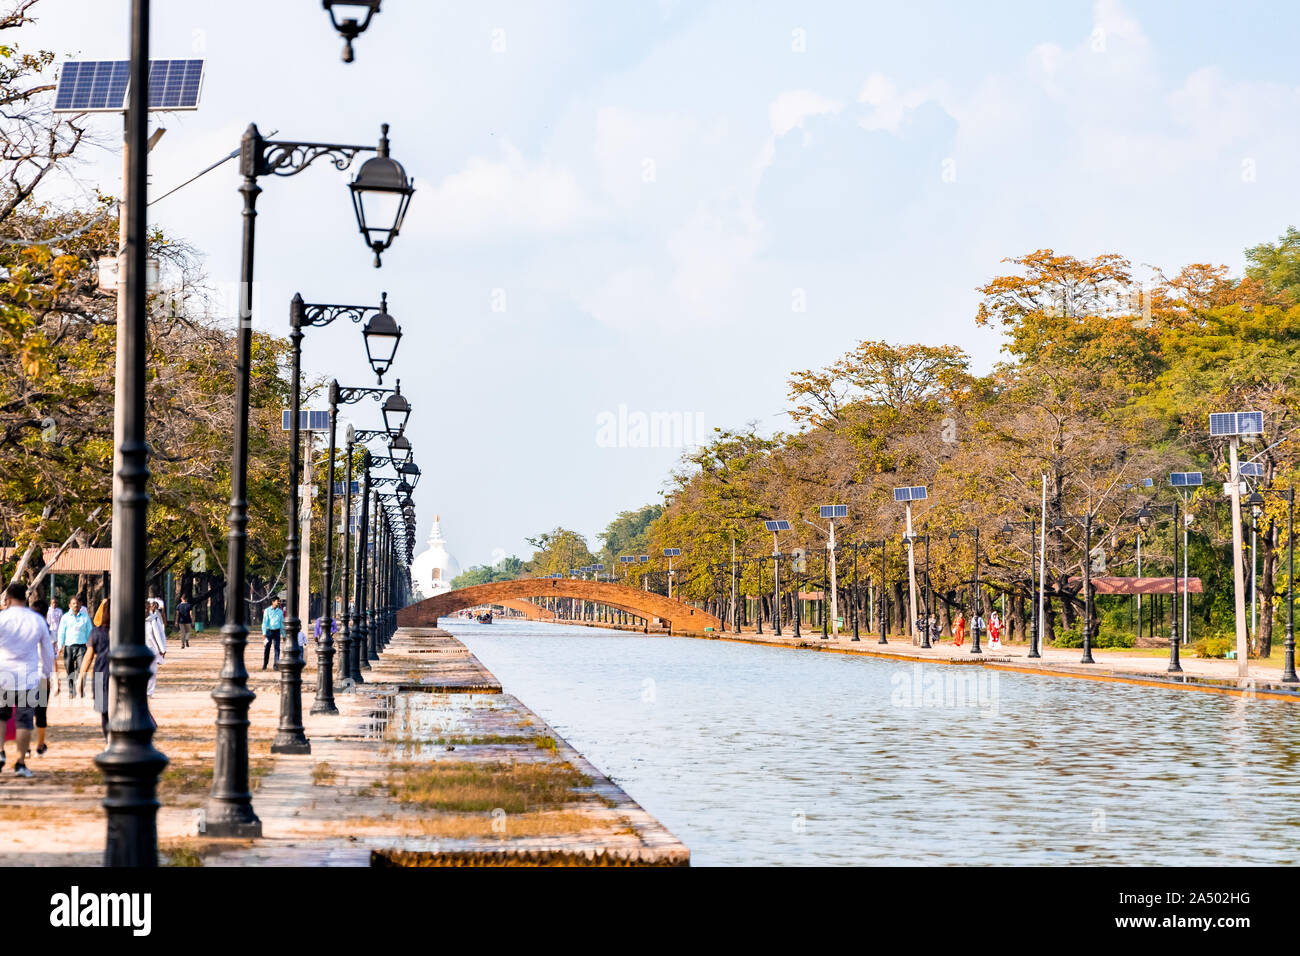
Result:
[
  {"x": 35, "y": 635},
  {"x": 993, "y": 627}
]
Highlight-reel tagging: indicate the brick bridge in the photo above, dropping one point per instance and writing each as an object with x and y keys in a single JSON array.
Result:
[{"x": 644, "y": 604}]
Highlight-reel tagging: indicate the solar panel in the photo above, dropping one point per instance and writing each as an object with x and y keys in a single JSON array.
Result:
[
  {"x": 643, "y": 558},
  {"x": 308, "y": 420},
  {"x": 672, "y": 552},
  {"x": 777, "y": 525},
  {"x": 910, "y": 493},
  {"x": 338, "y": 487},
  {"x": 598, "y": 567},
  {"x": 1251, "y": 469},
  {"x": 1223, "y": 423},
  {"x": 1147, "y": 483},
  {"x": 1185, "y": 479},
  {"x": 1250, "y": 423},
  {"x": 101, "y": 85},
  {"x": 834, "y": 511},
  {"x": 626, "y": 558}
]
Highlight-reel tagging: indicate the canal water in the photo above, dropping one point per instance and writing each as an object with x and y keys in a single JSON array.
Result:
[{"x": 756, "y": 755}]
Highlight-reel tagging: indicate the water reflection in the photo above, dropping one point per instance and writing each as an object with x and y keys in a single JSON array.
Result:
[{"x": 756, "y": 755}]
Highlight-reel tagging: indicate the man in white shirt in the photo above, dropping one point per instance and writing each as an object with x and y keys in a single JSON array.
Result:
[{"x": 26, "y": 659}]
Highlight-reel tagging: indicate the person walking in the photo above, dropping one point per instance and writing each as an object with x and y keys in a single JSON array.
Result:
[
  {"x": 25, "y": 660},
  {"x": 53, "y": 616},
  {"x": 74, "y": 632},
  {"x": 155, "y": 638},
  {"x": 936, "y": 631},
  {"x": 185, "y": 619},
  {"x": 978, "y": 626},
  {"x": 42, "y": 708},
  {"x": 959, "y": 629},
  {"x": 995, "y": 632},
  {"x": 272, "y": 628},
  {"x": 96, "y": 663}
]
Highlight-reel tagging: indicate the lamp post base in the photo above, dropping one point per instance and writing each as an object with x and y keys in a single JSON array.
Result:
[
  {"x": 230, "y": 820},
  {"x": 290, "y": 744},
  {"x": 324, "y": 707}
]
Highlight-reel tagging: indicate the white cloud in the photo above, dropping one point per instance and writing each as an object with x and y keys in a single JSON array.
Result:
[
  {"x": 792, "y": 107},
  {"x": 503, "y": 199}
]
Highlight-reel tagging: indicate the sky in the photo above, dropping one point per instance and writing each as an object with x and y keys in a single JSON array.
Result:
[{"x": 653, "y": 211}]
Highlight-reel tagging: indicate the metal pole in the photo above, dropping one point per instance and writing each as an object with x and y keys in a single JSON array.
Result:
[
  {"x": 1174, "y": 666},
  {"x": 884, "y": 601},
  {"x": 363, "y": 529},
  {"x": 1087, "y": 587},
  {"x": 1288, "y": 665},
  {"x": 776, "y": 588},
  {"x": 1238, "y": 577},
  {"x": 372, "y": 576},
  {"x": 349, "y": 617},
  {"x": 229, "y": 807},
  {"x": 290, "y": 737},
  {"x": 130, "y": 763},
  {"x": 324, "y": 703},
  {"x": 1042, "y": 575},
  {"x": 835, "y": 590},
  {"x": 855, "y": 593},
  {"x": 911, "y": 578},
  {"x": 979, "y": 602},
  {"x": 925, "y": 636},
  {"x": 1033, "y": 610}
]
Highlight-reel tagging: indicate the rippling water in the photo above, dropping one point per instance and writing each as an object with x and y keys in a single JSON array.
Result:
[{"x": 755, "y": 755}]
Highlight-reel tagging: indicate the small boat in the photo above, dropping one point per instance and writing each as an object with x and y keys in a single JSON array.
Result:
[{"x": 485, "y": 617}]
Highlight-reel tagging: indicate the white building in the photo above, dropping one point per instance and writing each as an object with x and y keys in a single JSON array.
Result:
[{"x": 433, "y": 569}]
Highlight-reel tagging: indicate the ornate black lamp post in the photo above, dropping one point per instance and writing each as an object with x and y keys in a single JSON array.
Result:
[
  {"x": 1008, "y": 529},
  {"x": 910, "y": 541},
  {"x": 1144, "y": 516},
  {"x": 228, "y": 810},
  {"x": 340, "y": 395},
  {"x": 381, "y": 335},
  {"x": 351, "y": 27},
  {"x": 1086, "y": 521},
  {"x": 131, "y": 764},
  {"x": 1288, "y": 661},
  {"x": 975, "y": 633}
]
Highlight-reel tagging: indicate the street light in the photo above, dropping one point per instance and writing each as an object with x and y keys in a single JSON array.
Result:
[
  {"x": 130, "y": 763},
  {"x": 1008, "y": 529},
  {"x": 907, "y": 495},
  {"x": 1288, "y": 664},
  {"x": 979, "y": 604},
  {"x": 290, "y": 736},
  {"x": 1144, "y": 517},
  {"x": 351, "y": 27},
  {"x": 396, "y": 411},
  {"x": 776, "y": 527},
  {"x": 228, "y": 811},
  {"x": 380, "y": 193},
  {"x": 410, "y": 472},
  {"x": 382, "y": 335},
  {"x": 399, "y": 450},
  {"x": 910, "y": 540}
]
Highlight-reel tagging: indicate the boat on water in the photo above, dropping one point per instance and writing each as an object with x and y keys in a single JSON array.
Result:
[{"x": 485, "y": 617}]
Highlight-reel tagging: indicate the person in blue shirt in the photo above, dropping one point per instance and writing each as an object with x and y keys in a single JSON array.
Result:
[
  {"x": 74, "y": 633},
  {"x": 272, "y": 628}
]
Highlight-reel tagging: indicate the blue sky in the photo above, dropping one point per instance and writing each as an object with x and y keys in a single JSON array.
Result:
[{"x": 668, "y": 206}]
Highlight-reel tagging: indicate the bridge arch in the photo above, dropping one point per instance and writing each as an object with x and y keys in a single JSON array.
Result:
[{"x": 646, "y": 604}]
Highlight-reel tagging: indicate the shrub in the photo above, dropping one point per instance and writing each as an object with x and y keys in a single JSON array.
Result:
[{"x": 1215, "y": 646}]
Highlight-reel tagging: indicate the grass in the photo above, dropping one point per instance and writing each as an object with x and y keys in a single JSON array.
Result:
[
  {"x": 468, "y": 826},
  {"x": 323, "y": 775},
  {"x": 463, "y": 786},
  {"x": 179, "y": 854},
  {"x": 540, "y": 742}
]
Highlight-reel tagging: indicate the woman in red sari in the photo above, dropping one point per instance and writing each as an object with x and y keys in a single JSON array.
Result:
[{"x": 959, "y": 629}]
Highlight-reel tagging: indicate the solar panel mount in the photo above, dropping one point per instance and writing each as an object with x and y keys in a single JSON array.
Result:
[{"x": 101, "y": 86}]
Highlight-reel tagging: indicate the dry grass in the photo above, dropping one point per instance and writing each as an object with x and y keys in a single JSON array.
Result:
[
  {"x": 323, "y": 775},
  {"x": 534, "y": 824},
  {"x": 467, "y": 787}
]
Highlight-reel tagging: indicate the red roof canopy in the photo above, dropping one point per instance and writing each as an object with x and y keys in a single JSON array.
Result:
[{"x": 1103, "y": 584}]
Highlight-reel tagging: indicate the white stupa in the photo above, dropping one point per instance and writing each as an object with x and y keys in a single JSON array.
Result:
[{"x": 433, "y": 569}]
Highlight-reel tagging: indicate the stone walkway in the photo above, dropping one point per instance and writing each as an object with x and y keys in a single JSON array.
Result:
[{"x": 427, "y": 700}]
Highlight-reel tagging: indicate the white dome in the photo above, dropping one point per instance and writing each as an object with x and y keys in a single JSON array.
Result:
[{"x": 433, "y": 569}]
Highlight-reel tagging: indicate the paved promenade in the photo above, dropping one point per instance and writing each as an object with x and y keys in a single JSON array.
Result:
[
  {"x": 427, "y": 763},
  {"x": 1198, "y": 674}
]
